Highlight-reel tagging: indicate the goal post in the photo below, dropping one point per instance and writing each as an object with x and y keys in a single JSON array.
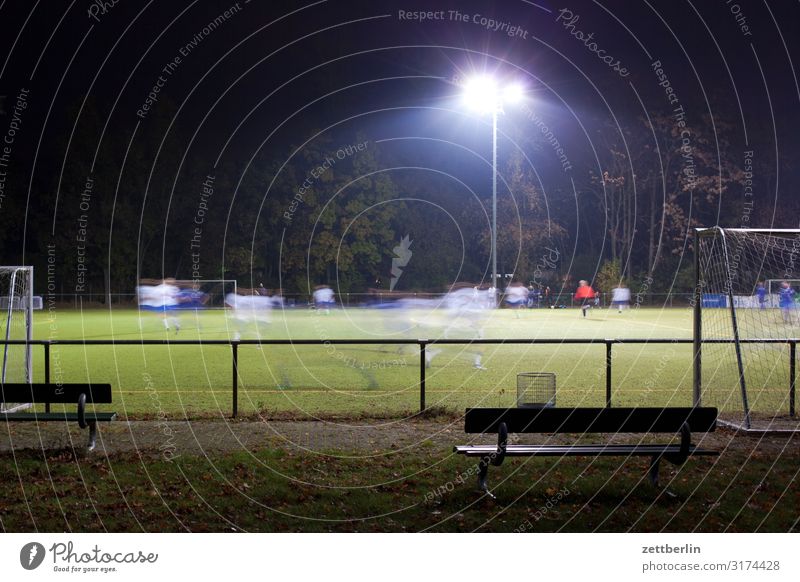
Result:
[
  {"x": 16, "y": 324},
  {"x": 746, "y": 322}
]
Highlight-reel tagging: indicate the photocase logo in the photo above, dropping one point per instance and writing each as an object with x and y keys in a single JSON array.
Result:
[
  {"x": 402, "y": 256},
  {"x": 31, "y": 555}
]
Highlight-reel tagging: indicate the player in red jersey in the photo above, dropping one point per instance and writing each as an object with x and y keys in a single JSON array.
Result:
[{"x": 585, "y": 295}]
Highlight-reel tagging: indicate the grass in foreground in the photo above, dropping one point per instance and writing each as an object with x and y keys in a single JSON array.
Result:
[{"x": 428, "y": 490}]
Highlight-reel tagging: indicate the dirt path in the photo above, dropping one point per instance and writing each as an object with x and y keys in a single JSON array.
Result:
[
  {"x": 197, "y": 437},
  {"x": 172, "y": 438}
]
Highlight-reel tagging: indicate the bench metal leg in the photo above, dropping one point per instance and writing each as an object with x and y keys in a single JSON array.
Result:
[
  {"x": 483, "y": 474},
  {"x": 678, "y": 458},
  {"x": 92, "y": 435},
  {"x": 496, "y": 459},
  {"x": 653, "y": 473},
  {"x": 483, "y": 477}
]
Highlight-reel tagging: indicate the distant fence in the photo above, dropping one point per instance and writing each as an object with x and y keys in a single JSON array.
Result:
[{"x": 421, "y": 343}]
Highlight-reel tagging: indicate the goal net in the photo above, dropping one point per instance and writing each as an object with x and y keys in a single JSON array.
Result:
[
  {"x": 16, "y": 324},
  {"x": 746, "y": 321}
]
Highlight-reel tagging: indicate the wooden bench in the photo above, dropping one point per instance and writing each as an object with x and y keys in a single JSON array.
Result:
[
  {"x": 80, "y": 394},
  {"x": 505, "y": 421}
]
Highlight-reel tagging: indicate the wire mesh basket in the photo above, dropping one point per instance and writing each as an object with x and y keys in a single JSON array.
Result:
[{"x": 536, "y": 390}]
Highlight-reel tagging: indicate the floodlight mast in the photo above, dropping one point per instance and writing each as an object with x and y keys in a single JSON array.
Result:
[
  {"x": 483, "y": 95},
  {"x": 494, "y": 205}
]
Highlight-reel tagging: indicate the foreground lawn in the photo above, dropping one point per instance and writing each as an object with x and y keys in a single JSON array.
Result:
[{"x": 753, "y": 486}]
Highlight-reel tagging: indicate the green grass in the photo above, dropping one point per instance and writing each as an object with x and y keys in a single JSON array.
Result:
[
  {"x": 752, "y": 486},
  {"x": 371, "y": 380},
  {"x": 280, "y": 490}
]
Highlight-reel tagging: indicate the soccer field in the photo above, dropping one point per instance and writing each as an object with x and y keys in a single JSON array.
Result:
[{"x": 368, "y": 380}]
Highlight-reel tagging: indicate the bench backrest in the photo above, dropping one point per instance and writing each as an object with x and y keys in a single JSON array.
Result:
[
  {"x": 55, "y": 393},
  {"x": 581, "y": 420}
]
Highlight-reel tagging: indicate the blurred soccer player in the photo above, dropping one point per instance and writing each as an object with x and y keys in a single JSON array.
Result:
[
  {"x": 459, "y": 314},
  {"x": 786, "y": 302},
  {"x": 584, "y": 294},
  {"x": 516, "y": 296},
  {"x": 161, "y": 299},
  {"x": 248, "y": 309},
  {"x": 323, "y": 298},
  {"x": 761, "y": 294},
  {"x": 467, "y": 312},
  {"x": 620, "y": 297}
]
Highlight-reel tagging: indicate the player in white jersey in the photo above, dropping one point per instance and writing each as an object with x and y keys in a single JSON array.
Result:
[
  {"x": 247, "y": 310},
  {"x": 163, "y": 300},
  {"x": 467, "y": 313},
  {"x": 323, "y": 299},
  {"x": 460, "y": 314},
  {"x": 621, "y": 297},
  {"x": 516, "y": 296}
]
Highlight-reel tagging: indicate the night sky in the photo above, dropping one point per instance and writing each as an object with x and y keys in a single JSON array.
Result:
[{"x": 115, "y": 115}]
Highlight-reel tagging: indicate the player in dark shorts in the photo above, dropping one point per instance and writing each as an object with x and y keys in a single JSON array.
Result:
[
  {"x": 585, "y": 295},
  {"x": 761, "y": 293},
  {"x": 786, "y": 297}
]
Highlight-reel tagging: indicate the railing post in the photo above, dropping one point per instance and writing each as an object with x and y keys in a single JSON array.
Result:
[
  {"x": 46, "y": 372},
  {"x": 235, "y": 354},
  {"x": 792, "y": 375},
  {"x": 697, "y": 327},
  {"x": 608, "y": 373},
  {"x": 422, "y": 375}
]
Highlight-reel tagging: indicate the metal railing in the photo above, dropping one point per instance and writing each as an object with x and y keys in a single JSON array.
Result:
[{"x": 422, "y": 343}]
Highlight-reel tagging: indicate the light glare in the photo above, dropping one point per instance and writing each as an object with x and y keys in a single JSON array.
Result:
[
  {"x": 513, "y": 93},
  {"x": 483, "y": 94},
  {"x": 480, "y": 93}
]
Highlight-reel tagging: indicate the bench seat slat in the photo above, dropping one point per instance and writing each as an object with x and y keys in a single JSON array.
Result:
[
  {"x": 578, "y": 450},
  {"x": 55, "y": 393},
  {"x": 589, "y": 420},
  {"x": 55, "y": 416}
]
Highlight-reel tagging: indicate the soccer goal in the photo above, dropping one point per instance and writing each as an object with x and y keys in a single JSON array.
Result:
[
  {"x": 747, "y": 324},
  {"x": 16, "y": 323}
]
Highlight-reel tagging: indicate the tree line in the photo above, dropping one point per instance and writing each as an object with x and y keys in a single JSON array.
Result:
[{"x": 329, "y": 211}]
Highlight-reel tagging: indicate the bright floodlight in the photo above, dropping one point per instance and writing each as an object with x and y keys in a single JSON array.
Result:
[
  {"x": 480, "y": 93},
  {"x": 483, "y": 94}
]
